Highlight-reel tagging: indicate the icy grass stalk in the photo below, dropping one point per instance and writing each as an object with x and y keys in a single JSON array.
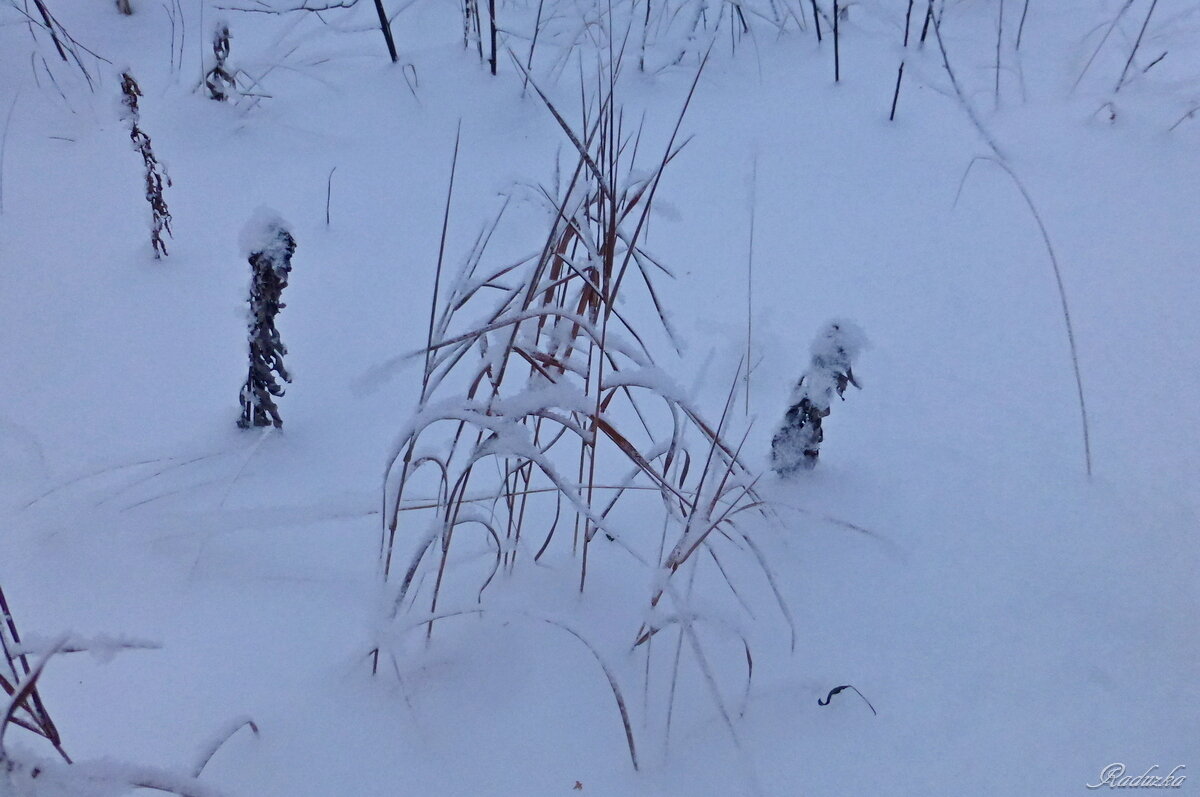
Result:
[{"x": 156, "y": 175}]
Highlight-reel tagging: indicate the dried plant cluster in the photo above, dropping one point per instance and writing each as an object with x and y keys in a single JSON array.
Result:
[
  {"x": 219, "y": 81},
  {"x": 156, "y": 175},
  {"x": 552, "y": 406},
  {"x": 271, "y": 263}
]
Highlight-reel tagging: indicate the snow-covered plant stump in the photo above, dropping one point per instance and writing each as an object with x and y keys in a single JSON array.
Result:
[
  {"x": 797, "y": 444},
  {"x": 219, "y": 80},
  {"x": 269, "y": 246},
  {"x": 156, "y": 175}
]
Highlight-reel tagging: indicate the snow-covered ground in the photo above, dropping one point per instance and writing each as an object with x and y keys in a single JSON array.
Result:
[{"x": 1015, "y": 625}]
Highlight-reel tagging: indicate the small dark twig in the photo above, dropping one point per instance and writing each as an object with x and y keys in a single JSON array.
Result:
[
  {"x": 1111, "y": 26},
  {"x": 928, "y": 19},
  {"x": 999, "y": 41},
  {"x": 328, "y": 192},
  {"x": 492, "y": 62},
  {"x": 49, "y": 24},
  {"x": 1021, "y": 26},
  {"x": 900, "y": 72},
  {"x": 837, "y": 60},
  {"x": 210, "y": 751},
  {"x": 837, "y": 690},
  {"x": 1136, "y": 45},
  {"x": 1185, "y": 117},
  {"x": 386, "y": 27},
  {"x": 1153, "y": 63},
  {"x": 896, "y": 93}
]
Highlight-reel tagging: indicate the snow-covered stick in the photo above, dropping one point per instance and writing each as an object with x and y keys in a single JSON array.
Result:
[
  {"x": 219, "y": 81},
  {"x": 269, "y": 248},
  {"x": 156, "y": 176},
  {"x": 797, "y": 444}
]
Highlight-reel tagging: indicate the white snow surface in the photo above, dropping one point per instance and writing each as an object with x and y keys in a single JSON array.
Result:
[
  {"x": 261, "y": 231},
  {"x": 1016, "y": 626}
]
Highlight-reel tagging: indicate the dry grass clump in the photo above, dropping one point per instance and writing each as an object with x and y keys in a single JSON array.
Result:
[{"x": 549, "y": 405}]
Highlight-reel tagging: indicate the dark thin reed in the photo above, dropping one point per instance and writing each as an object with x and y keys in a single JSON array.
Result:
[
  {"x": 1137, "y": 44},
  {"x": 900, "y": 71},
  {"x": 385, "y": 26}
]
